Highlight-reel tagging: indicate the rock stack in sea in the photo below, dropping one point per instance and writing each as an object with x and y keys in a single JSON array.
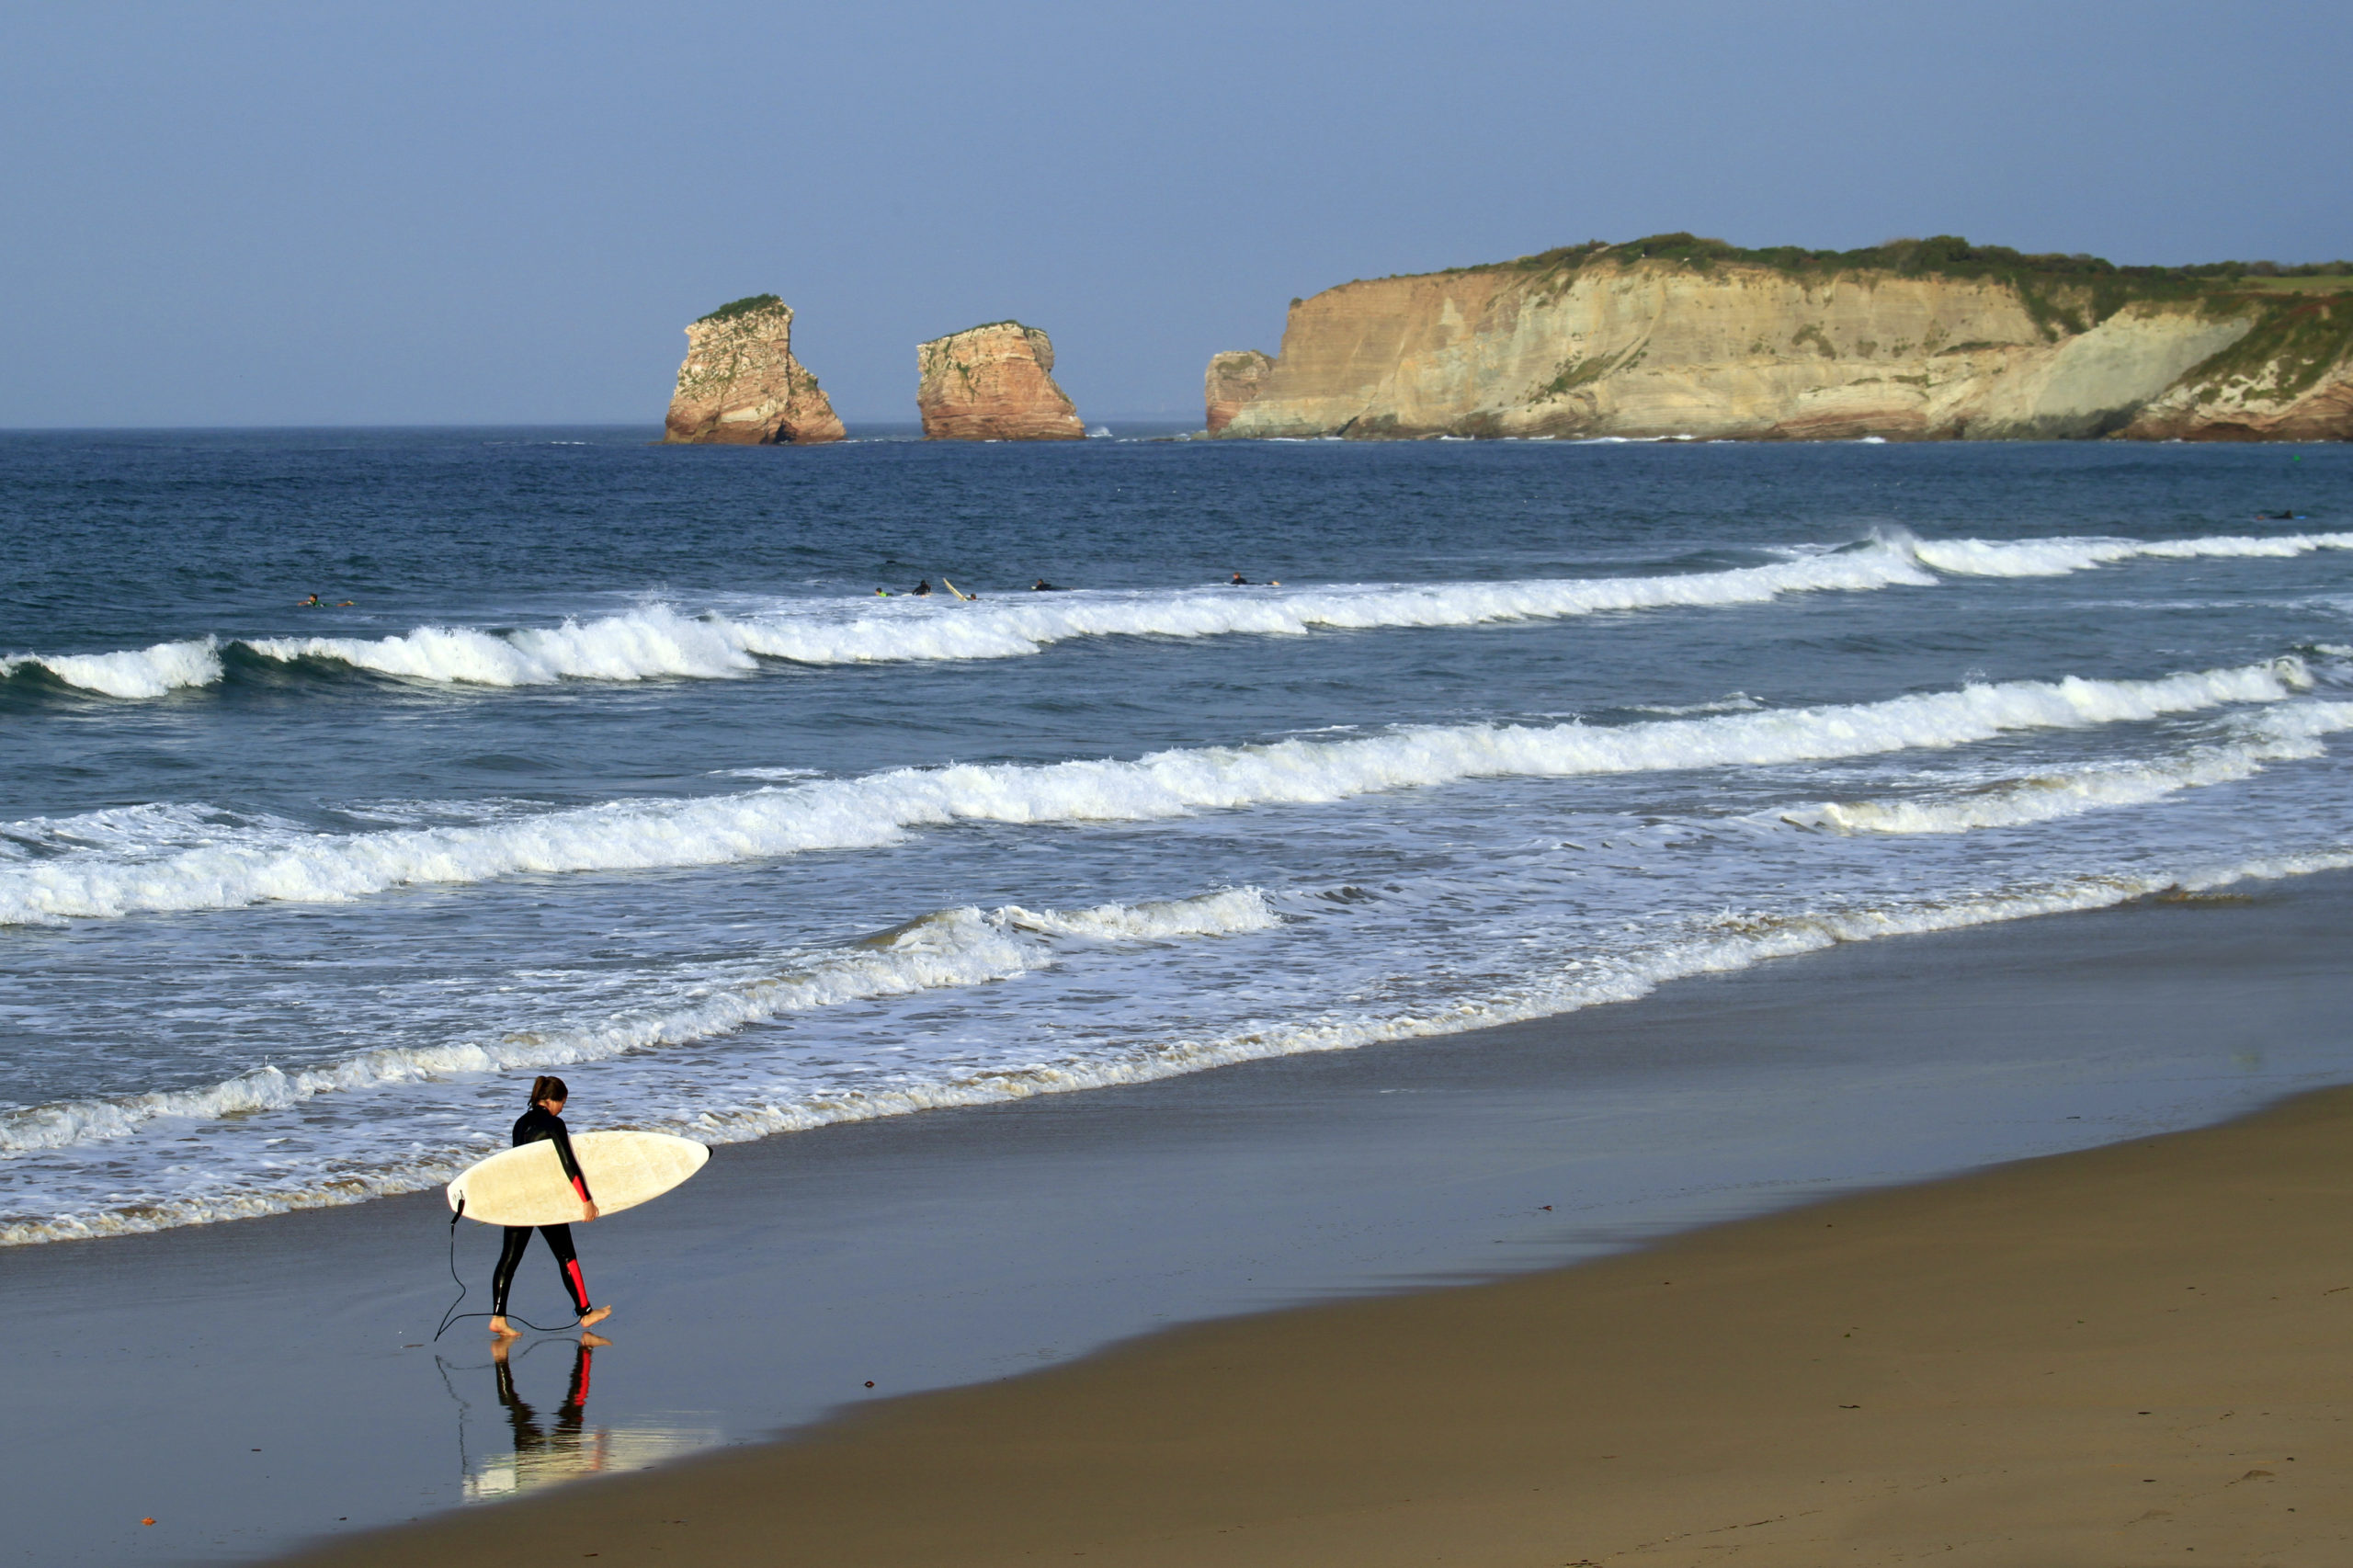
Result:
[
  {"x": 992, "y": 383},
  {"x": 1234, "y": 378},
  {"x": 741, "y": 386}
]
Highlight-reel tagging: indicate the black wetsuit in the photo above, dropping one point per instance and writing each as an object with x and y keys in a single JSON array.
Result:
[{"x": 533, "y": 1125}]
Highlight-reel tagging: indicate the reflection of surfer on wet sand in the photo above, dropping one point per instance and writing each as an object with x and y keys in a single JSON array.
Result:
[
  {"x": 555, "y": 1445},
  {"x": 538, "y": 1445}
]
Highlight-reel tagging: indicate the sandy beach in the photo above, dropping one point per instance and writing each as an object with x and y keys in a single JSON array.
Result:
[{"x": 2121, "y": 1356}]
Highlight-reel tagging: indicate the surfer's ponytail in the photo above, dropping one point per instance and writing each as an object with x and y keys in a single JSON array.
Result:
[{"x": 545, "y": 1087}]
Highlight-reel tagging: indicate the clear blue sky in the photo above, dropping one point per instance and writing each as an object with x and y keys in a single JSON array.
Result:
[{"x": 222, "y": 213}]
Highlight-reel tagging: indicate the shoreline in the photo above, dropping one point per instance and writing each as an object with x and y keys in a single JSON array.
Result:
[
  {"x": 2122, "y": 1354},
  {"x": 956, "y": 1249}
]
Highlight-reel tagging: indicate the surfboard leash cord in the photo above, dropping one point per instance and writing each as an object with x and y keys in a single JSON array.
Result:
[{"x": 453, "y": 1316}]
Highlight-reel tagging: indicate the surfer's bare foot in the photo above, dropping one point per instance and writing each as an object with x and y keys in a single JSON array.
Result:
[
  {"x": 498, "y": 1330},
  {"x": 595, "y": 1341},
  {"x": 596, "y": 1317}
]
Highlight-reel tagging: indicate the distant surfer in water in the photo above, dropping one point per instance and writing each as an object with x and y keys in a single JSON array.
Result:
[
  {"x": 313, "y": 602},
  {"x": 922, "y": 589},
  {"x": 1042, "y": 586},
  {"x": 544, "y": 1120}
]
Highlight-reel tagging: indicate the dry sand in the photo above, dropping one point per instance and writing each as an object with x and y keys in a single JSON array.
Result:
[{"x": 2131, "y": 1355}]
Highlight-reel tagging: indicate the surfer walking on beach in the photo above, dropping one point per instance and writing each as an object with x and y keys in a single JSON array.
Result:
[{"x": 544, "y": 1120}]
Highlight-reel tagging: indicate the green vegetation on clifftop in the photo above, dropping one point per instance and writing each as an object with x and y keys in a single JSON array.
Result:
[
  {"x": 2297, "y": 342},
  {"x": 743, "y": 307},
  {"x": 2062, "y": 294},
  {"x": 1946, "y": 255}
]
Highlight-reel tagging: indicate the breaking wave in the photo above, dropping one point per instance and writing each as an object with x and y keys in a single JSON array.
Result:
[
  {"x": 949, "y": 949},
  {"x": 2059, "y": 557},
  {"x": 235, "y": 869},
  {"x": 644, "y": 644},
  {"x": 658, "y": 643},
  {"x": 2289, "y": 734},
  {"x": 134, "y": 673}
]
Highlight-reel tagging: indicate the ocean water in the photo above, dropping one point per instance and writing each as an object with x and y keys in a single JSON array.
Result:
[{"x": 616, "y": 765}]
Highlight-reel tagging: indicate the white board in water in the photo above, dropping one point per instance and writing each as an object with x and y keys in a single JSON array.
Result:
[{"x": 526, "y": 1186}]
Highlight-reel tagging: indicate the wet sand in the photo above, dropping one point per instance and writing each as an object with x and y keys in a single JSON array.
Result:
[
  {"x": 2135, "y": 1354},
  {"x": 255, "y": 1384}
]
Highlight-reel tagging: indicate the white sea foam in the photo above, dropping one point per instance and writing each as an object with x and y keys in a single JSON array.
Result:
[
  {"x": 1727, "y": 943},
  {"x": 646, "y": 644},
  {"x": 1723, "y": 944},
  {"x": 143, "y": 832},
  {"x": 2058, "y": 557},
  {"x": 2291, "y": 734},
  {"x": 1000, "y": 629},
  {"x": 1225, "y": 913},
  {"x": 878, "y": 809},
  {"x": 133, "y": 673},
  {"x": 949, "y": 949},
  {"x": 657, "y": 641}
]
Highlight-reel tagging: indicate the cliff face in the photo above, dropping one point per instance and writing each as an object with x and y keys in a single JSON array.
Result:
[
  {"x": 741, "y": 386},
  {"x": 1662, "y": 347},
  {"x": 2289, "y": 379},
  {"x": 1234, "y": 378},
  {"x": 992, "y": 383}
]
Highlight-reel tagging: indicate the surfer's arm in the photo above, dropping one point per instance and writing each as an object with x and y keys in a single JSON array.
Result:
[{"x": 570, "y": 1163}]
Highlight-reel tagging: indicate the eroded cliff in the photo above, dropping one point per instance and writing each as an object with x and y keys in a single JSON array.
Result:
[
  {"x": 992, "y": 383},
  {"x": 741, "y": 386},
  {"x": 2289, "y": 379},
  {"x": 1235, "y": 378},
  {"x": 1689, "y": 340}
]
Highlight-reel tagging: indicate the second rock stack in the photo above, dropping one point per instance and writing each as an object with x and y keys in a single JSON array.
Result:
[{"x": 992, "y": 383}]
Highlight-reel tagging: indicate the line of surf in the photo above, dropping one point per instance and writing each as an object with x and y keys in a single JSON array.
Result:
[
  {"x": 2064, "y": 556},
  {"x": 2292, "y": 733},
  {"x": 659, "y": 642},
  {"x": 1725, "y": 943},
  {"x": 880, "y": 808},
  {"x": 942, "y": 950}
]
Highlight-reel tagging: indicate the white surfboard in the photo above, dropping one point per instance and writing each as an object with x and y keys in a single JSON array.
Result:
[{"x": 526, "y": 1187}]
